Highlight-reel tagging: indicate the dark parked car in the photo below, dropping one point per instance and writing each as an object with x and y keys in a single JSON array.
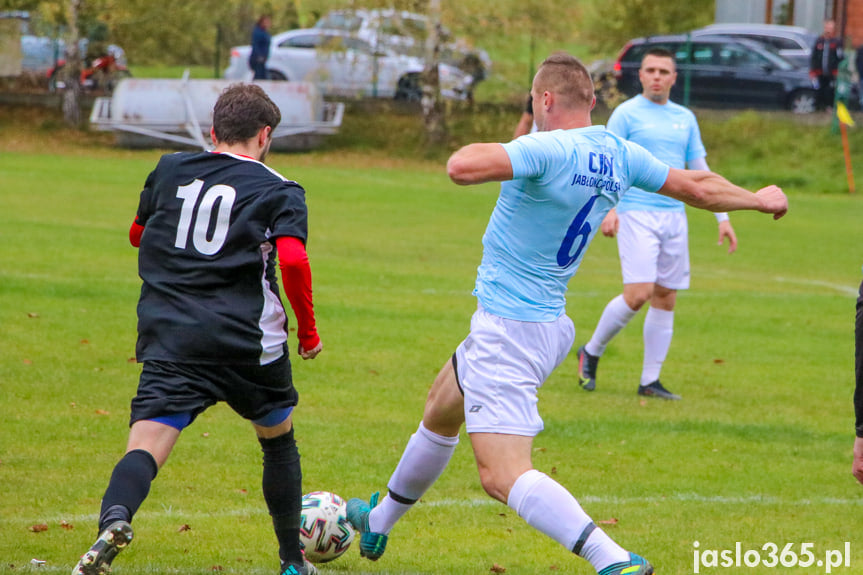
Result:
[
  {"x": 723, "y": 72},
  {"x": 794, "y": 43}
]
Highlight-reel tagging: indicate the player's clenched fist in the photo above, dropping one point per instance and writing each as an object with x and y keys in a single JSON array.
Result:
[{"x": 773, "y": 201}]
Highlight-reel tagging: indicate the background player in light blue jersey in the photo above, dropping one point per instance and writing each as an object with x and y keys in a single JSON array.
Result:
[
  {"x": 652, "y": 232},
  {"x": 558, "y": 184}
]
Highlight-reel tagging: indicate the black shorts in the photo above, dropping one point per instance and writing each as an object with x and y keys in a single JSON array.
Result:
[{"x": 253, "y": 391}]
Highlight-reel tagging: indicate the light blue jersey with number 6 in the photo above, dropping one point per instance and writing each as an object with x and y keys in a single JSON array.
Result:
[{"x": 564, "y": 182}]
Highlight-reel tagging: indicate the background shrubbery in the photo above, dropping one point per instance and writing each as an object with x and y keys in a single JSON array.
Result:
[{"x": 516, "y": 33}]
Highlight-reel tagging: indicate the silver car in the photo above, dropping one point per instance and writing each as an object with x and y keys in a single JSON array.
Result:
[
  {"x": 794, "y": 43},
  {"x": 341, "y": 64},
  {"x": 405, "y": 33}
]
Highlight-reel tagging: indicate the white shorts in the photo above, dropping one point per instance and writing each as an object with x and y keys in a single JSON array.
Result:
[
  {"x": 654, "y": 248},
  {"x": 500, "y": 367}
]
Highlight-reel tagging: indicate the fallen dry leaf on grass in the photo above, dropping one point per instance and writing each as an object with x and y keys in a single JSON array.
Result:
[{"x": 39, "y": 528}]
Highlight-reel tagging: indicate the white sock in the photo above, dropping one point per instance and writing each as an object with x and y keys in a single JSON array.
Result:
[
  {"x": 614, "y": 318},
  {"x": 548, "y": 507},
  {"x": 424, "y": 459},
  {"x": 601, "y": 550},
  {"x": 658, "y": 329}
]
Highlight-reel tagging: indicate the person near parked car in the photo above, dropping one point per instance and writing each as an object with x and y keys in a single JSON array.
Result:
[
  {"x": 651, "y": 230},
  {"x": 260, "y": 47},
  {"x": 858, "y": 64},
  {"x": 824, "y": 63}
]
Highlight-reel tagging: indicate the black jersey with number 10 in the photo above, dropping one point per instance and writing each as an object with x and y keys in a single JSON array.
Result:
[{"x": 207, "y": 259}]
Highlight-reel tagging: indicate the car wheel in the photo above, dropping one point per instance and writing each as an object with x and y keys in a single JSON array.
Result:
[
  {"x": 409, "y": 89},
  {"x": 803, "y": 102},
  {"x": 278, "y": 76}
]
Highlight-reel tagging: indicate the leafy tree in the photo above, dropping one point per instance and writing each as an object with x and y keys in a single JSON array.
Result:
[
  {"x": 610, "y": 24},
  {"x": 433, "y": 110},
  {"x": 72, "y": 70}
]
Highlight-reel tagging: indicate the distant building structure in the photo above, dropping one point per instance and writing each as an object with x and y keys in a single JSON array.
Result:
[{"x": 810, "y": 14}]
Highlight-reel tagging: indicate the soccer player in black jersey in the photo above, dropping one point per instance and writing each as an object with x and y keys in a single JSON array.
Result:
[
  {"x": 211, "y": 324},
  {"x": 857, "y": 467}
]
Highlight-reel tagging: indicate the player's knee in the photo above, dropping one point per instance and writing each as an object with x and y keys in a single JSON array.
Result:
[
  {"x": 636, "y": 299},
  {"x": 280, "y": 448},
  {"x": 494, "y": 485}
]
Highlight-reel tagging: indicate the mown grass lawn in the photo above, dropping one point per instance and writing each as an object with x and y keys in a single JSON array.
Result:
[{"x": 758, "y": 451}]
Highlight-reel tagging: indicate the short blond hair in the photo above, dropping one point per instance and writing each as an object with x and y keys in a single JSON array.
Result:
[{"x": 565, "y": 75}]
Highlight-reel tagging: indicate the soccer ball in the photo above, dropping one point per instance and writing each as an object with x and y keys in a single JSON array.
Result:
[{"x": 324, "y": 528}]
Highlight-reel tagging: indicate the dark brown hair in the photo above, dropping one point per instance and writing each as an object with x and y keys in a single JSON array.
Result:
[{"x": 241, "y": 111}]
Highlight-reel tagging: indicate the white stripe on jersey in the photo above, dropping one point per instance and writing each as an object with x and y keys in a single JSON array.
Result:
[{"x": 272, "y": 320}]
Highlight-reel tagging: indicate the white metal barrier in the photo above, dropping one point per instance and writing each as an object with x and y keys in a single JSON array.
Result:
[{"x": 153, "y": 112}]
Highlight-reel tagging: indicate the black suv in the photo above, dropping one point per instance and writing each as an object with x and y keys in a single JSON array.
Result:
[{"x": 723, "y": 72}]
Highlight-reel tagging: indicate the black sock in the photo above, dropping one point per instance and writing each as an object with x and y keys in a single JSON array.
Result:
[
  {"x": 129, "y": 486},
  {"x": 283, "y": 492}
]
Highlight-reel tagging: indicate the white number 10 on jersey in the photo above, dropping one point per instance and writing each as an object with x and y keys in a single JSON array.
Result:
[{"x": 203, "y": 215}]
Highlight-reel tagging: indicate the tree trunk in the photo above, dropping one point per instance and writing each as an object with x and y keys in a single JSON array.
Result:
[
  {"x": 433, "y": 107},
  {"x": 72, "y": 69}
]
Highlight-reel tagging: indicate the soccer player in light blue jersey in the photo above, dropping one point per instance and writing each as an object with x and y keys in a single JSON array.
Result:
[
  {"x": 558, "y": 184},
  {"x": 651, "y": 230}
]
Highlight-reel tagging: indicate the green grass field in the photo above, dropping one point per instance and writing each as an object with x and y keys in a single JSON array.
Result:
[{"x": 758, "y": 451}]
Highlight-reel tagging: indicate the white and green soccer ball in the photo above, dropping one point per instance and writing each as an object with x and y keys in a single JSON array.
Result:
[{"x": 324, "y": 528}]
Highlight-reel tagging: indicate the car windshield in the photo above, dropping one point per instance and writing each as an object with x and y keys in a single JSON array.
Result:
[
  {"x": 340, "y": 21},
  {"x": 775, "y": 59},
  {"x": 396, "y": 25}
]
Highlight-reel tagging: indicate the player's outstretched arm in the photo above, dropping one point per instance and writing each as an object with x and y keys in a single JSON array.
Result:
[
  {"x": 710, "y": 191},
  {"x": 479, "y": 163}
]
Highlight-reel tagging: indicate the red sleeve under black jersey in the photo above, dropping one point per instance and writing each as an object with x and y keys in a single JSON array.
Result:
[
  {"x": 135, "y": 233},
  {"x": 297, "y": 283}
]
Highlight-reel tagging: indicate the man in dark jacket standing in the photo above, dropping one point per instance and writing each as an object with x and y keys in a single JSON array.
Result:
[
  {"x": 858, "y": 60},
  {"x": 260, "y": 48},
  {"x": 824, "y": 63}
]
